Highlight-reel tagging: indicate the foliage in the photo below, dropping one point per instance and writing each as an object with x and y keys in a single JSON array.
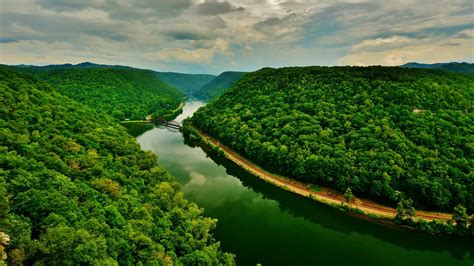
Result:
[
  {"x": 186, "y": 83},
  {"x": 460, "y": 216},
  {"x": 79, "y": 189},
  {"x": 118, "y": 91},
  {"x": 405, "y": 209},
  {"x": 219, "y": 85},
  {"x": 385, "y": 133},
  {"x": 136, "y": 129},
  {"x": 348, "y": 196},
  {"x": 462, "y": 219}
]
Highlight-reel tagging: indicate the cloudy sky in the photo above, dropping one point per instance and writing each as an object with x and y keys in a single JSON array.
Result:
[{"x": 213, "y": 36}]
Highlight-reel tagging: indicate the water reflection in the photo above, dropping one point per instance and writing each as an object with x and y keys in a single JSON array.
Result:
[{"x": 264, "y": 224}]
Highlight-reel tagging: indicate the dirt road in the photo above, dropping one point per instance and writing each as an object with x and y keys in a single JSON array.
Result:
[{"x": 324, "y": 195}]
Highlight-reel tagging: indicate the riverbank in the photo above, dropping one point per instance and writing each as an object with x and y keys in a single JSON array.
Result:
[
  {"x": 173, "y": 114},
  {"x": 256, "y": 209},
  {"x": 148, "y": 118},
  {"x": 323, "y": 195},
  {"x": 169, "y": 116},
  {"x": 138, "y": 127}
]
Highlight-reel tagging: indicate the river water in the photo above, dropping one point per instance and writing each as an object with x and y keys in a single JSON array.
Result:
[{"x": 261, "y": 223}]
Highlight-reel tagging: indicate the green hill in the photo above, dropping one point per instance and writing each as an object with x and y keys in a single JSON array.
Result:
[
  {"x": 76, "y": 189},
  {"x": 384, "y": 132},
  {"x": 186, "y": 83},
  {"x": 220, "y": 84},
  {"x": 466, "y": 68},
  {"x": 119, "y": 91}
]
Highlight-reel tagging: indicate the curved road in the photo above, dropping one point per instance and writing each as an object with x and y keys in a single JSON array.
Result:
[{"x": 325, "y": 195}]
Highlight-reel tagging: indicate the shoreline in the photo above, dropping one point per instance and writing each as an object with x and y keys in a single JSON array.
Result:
[
  {"x": 325, "y": 195},
  {"x": 148, "y": 117}
]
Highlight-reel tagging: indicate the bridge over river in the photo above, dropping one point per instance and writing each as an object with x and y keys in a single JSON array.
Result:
[
  {"x": 262, "y": 223},
  {"x": 173, "y": 124}
]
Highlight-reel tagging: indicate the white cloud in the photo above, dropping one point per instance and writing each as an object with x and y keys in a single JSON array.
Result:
[
  {"x": 413, "y": 50},
  {"x": 198, "y": 35},
  {"x": 380, "y": 42},
  {"x": 220, "y": 46},
  {"x": 186, "y": 56}
]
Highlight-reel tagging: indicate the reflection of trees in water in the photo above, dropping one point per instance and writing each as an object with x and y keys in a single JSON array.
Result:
[
  {"x": 136, "y": 129},
  {"x": 173, "y": 129},
  {"x": 326, "y": 216}
]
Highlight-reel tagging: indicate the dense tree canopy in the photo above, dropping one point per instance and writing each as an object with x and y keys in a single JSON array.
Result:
[
  {"x": 186, "y": 83},
  {"x": 76, "y": 189},
  {"x": 122, "y": 92},
  {"x": 385, "y": 133},
  {"x": 219, "y": 85}
]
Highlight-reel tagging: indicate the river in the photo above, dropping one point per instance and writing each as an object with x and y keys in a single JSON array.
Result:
[{"x": 261, "y": 223}]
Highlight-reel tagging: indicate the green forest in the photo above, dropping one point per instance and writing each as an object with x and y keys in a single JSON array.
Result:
[
  {"x": 386, "y": 133},
  {"x": 219, "y": 85},
  {"x": 124, "y": 93},
  {"x": 76, "y": 189},
  {"x": 186, "y": 83}
]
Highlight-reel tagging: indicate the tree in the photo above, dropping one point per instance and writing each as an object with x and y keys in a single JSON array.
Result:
[
  {"x": 323, "y": 124},
  {"x": 85, "y": 193},
  {"x": 471, "y": 226},
  {"x": 4, "y": 206},
  {"x": 405, "y": 209},
  {"x": 348, "y": 196},
  {"x": 461, "y": 218}
]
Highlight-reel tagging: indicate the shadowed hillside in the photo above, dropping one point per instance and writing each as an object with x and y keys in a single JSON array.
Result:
[
  {"x": 219, "y": 85},
  {"x": 186, "y": 83}
]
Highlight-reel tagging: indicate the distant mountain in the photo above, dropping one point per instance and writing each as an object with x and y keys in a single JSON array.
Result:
[
  {"x": 466, "y": 68},
  {"x": 220, "y": 84},
  {"x": 187, "y": 83},
  {"x": 82, "y": 65}
]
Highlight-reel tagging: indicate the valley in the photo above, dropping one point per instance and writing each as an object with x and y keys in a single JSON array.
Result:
[
  {"x": 218, "y": 132},
  {"x": 257, "y": 218},
  {"x": 59, "y": 130}
]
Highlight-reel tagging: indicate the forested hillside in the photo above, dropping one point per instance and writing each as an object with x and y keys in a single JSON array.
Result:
[
  {"x": 75, "y": 188},
  {"x": 466, "y": 68},
  {"x": 122, "y": 93},
  {"x": 186, "y": 83},
  {"x": 219, "y": 85},
  {"x": 386, "y": 133}
]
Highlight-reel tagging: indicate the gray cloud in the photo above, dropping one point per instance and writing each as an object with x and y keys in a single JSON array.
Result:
[
  {"x": 207, "y": 29},
  {"x": 44, "y": 27},
  {"x": 269, "y": 22},
  {"x": 122, "y": 10},
  {"x": 462, "y": 36},
  {"x": 342, "y": 24},
  {"x": 451, "y": 44},
  {"x": 60, "y": 5},
  {"x": 215, "y": 8},
  {"x": 186, "y": 35},
  {"x": 142, "y": 9},
  {"x": 211, "y": 36},
  {"x": 7, "y": 40}
]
